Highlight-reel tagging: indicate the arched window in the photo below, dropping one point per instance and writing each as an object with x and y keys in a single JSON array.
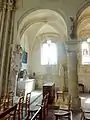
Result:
[
  {"x": 85, "y": 53},
  {"x": 49, "y": 53}
]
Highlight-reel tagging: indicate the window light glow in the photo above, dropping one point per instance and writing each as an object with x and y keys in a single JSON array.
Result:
[
  {"x": 49, "y": 53},
  {"x": 88, "y": 100},
  {"x": 83, "y": 98},
  {"x": 85, "y": 53},
  {"x": 88, "y": 39}
]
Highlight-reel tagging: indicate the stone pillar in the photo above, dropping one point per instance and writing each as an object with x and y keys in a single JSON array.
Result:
[
  {"x": 72, "y": 75},
  {"x": 2, "y": 20},
  {"x": 9, "y": 49},
  {"x": 5, "y": 42}
]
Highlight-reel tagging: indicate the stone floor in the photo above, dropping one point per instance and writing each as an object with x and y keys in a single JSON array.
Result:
[
  {"x": 85, "y": 105},
  {"x": 75, "y": 116},
  {"x": 36, "y": 98}
]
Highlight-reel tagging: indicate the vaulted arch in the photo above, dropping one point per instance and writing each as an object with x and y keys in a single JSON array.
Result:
[{"x": 83, "y": 24}]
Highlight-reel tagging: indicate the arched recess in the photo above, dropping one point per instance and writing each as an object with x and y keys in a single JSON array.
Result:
[
  {"x": 43, "y": 21},
  {"x": 83, "y": 33},
  {"x": 39, "y": 26}
]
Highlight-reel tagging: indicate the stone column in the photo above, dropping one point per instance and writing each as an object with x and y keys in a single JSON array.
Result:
[
  {"x": 72, "y": 74},
  {"x": 2, "y": 20},
  {"x": 5, "y": 40},
  {"x": 9, "y": 49}
]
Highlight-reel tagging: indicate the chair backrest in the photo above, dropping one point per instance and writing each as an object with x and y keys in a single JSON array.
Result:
[
  {"x": 47, "y": 95},
  {"x": 10, "y": 99},
  {"x": 6, "y": 101},
  {"x": 28, "y": 96},
  {"x": 45, "y": 106},
  {"x": 20, "y": 108},
  {"x": 3, "y": 103},
  {"x": 66, "y": 105},
  {"x": 69, "y": 102},
  {"x": 9, "y": 114}
]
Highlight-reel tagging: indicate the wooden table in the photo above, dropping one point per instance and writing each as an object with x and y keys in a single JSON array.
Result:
[{"x": 49, "y": 88}]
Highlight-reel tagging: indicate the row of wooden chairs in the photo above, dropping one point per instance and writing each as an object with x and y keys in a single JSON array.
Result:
[
  {"x": 6, "y": 101},
  {"x": 44, "y": 106},
  {"x": 23, "y": 108},
  {"x": 9, "y": 114}
]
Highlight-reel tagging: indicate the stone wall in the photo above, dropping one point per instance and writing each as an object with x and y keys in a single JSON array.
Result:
[
  {"x": 84, "y": 76},
  {"x": 42, "y": 79}
]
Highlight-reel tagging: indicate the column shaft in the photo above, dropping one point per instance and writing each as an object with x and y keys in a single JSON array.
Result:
[
  {"x": 4, "y": 47},
  {"x": 73, "y": 79},
  {"x": 3, "y": 13},
  {"x": 9, "y": 51},
  {"x": 5, "y": 41}
]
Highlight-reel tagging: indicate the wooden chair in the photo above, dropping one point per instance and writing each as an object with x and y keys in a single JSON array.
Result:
[
  {"x": 6, "y": 101},
  {"x": 27, "y": 106},
  {"x": 85, "y": 115},
  {"x": 46, "y": 98},
  {"x": 44, "y": 107},
  {"x": 9, "y": 99},
  {"x": 64, "y": 112},
  {"x": 20, "y": 108},
  {"x": 37, "y": 115},
  {"x": 2, "y": 103},
  {"x": 9, "y": 114},
  {"x": 42, "y": 114},
  {"x": 60, "y": 93}
]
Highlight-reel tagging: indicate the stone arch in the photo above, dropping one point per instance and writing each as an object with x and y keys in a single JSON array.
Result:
[
  {"x": 82, "y": 21},
  {"x": 59, "y": 11},
  {"x": 23, "y": 25},
  {"x": 82, "y": 8},
  {"x": 33, "y": 24},
  {"x": 38, "y": 19}
]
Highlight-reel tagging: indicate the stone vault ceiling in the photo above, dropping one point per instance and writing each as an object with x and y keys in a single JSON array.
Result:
[{"x": 42, "y": 22}]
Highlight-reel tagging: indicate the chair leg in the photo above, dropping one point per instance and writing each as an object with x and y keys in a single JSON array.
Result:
[
  {"x": 82, "y": 116},
  {"x": 69, "y": 118},
  {"x": 56, "y": 118},
  {"x": 57, "y": 96}
]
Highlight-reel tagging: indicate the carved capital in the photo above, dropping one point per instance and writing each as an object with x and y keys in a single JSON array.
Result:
[
  {"x": 71, "y": 46},
  {"x": 9, "y": 4}
]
